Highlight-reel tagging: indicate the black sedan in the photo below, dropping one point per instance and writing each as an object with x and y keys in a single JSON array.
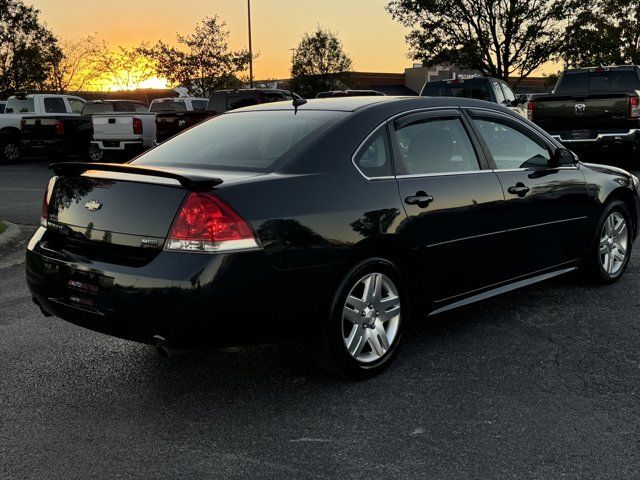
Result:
[{"x": 333, "y": 222}]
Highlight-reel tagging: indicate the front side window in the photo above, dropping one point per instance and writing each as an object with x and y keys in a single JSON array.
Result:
[
  {"x": 509, "y": 96},
  {"x": 374, "y": 158},
  {"x": 510, "y": 147},
  {"x": 76, "y": 105},
  {"x": 434, "y": 145},
  {"x": 54, "y": 105}
]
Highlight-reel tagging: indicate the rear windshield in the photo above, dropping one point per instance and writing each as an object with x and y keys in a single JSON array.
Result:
[
  {"x": 251, "y": 141},
  {"x": 199, "y": 104},
  {"x": 606, "y": 81},
  {"x": 479, "y": 91},
  {"x": 15, "y": 105},
  {"x": 168, "y": 107}
]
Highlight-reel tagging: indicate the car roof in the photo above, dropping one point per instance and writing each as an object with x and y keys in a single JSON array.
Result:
[{"x": 352, "y": 104}]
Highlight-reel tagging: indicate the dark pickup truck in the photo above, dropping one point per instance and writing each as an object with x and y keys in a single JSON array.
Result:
[
  {"x": 589, "y": 107},
  {"x": 69, "y": 134},
  {"x": 175, "y": 115}
]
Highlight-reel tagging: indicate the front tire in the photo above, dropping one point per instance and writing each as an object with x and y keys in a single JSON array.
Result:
[
  {"x": 609, "y": 256},
  {"x": 369, "y": 314}
]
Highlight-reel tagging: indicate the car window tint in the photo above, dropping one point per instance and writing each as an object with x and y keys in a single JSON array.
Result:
[
  {"x": 169, "y": 106},
  {"x": 435, "y": 146},
  {"x": 510, "y": 147},
  {"x": 54, "y": 105},
  {"x": 242, "y": 100},
  {"x": 374, "y": 158},
  {"x": 91, "y": 108},
  {"x": 2, "y": 107},
  {"x": 252, "y": 141},
  {"x": 122, "y": 106},
  {"x": 273, "y": 97}
]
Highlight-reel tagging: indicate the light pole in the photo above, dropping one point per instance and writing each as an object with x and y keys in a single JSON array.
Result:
[{"x": 250, "y": 46}]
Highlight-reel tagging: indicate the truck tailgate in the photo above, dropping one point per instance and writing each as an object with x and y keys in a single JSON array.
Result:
[
  {"x": 112, "y": 126},
  {"x": 583, "y": 115}
]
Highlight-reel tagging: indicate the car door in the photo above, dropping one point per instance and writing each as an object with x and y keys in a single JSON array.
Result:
[
  {"x": 452, "y": 200},
  {"x": 546, "y": 205}
]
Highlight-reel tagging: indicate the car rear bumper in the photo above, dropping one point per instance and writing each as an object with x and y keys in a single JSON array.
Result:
[
  {"x": 190, "y": 300},
  {"x": 630, "y": 138},
  {"x": 119, "y": 145}
]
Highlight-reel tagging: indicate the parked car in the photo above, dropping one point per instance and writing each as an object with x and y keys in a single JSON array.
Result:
[
  {"x": 173, "y": 115},
  {"x": 480, "y": 88},
  {"x": 226, "y": 100},
  {"x": 2, "y": 104},
  {"x": 589, "y": 107},
  {"x": 120, "y": 127},
  {"x": 46, "y": 106},
  {"x": 334, "y": 221},
  {"x": 62, "y": 136},
  {"x": 350, "y": 93}
]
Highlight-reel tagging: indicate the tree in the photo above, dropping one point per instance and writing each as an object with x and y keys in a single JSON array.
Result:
[
  {"x": 202, "y": 62},
  {"x": 79, "y": 65},
  {"x": 319, "y": 64},
  {"x": 606, "y": 33},
  {"x": 124, "y": 68},
  {"x": 28, "y": 50},
  {"x": 500, "y": 38}
]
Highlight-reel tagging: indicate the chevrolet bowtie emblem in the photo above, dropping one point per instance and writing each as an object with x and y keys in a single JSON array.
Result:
[{"x": 93, "y": 206}]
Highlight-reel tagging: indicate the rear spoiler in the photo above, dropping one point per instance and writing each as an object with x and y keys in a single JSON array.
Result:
[{"x": 190, "y": 181}]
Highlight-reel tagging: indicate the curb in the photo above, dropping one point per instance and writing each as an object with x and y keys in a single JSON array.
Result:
[{"x": 11, "y": 237}]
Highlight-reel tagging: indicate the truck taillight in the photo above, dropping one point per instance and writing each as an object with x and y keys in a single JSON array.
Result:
[
  {"x": 59, "y": 127},
  {"x": 634, "y": 107},
  {"x": 137, "y": 126},
  {"x": 530, "y": 109},
  {"x": 44, "y": 213},
  {"x": 205, "y": 224}
]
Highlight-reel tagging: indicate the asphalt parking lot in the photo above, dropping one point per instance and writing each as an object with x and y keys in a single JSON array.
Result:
[{"x": 541, "y": 383}]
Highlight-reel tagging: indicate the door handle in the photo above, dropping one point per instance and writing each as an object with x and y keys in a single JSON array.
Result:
[
  {"x": 421, "y": 199},
  {"x": 520, "y": 189}
]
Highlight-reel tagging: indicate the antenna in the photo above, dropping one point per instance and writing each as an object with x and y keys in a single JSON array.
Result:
[{"x": 297, "y": 102}]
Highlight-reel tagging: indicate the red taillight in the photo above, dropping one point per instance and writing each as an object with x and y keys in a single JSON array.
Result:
[
  {"x": 59, "y": 127},
  {"x": 530, "y": 109},
  {"x": 137, "y": 126},
  {"x": 634, "y": 107},
  {"x": 44, "y": 213},
  {"x": 206, "y": 224}
]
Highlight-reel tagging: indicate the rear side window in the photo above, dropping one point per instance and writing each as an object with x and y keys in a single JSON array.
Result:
[
  {"x": 434, "y": 145},
  {"x": 251, "y": 141},
  {"x": 374, "y": 157},
  {"x": 54, "y": 105}
]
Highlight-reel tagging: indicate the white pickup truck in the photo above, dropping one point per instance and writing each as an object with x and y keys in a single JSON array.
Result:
[
  {"x": 23, "y": 106},
  {"x": 128, "y": 131}
]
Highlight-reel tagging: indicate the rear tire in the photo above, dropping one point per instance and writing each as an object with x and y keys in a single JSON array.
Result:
[
  {"x": 608, "y": 258},
  {"x": 368, "y": 316},
  {"x": 95, "y": 154}
]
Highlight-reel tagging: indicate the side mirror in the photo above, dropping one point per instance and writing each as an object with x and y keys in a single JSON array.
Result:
[{"x": 563, "y": 158}]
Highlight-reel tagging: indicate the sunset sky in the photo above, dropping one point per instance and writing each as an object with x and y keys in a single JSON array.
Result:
[{"x": 375, "y": 42}]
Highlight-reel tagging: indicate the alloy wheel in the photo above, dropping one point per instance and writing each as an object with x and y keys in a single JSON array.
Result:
[
  {"x": 614, "y": 243},
  {"x": 371, "y": 317},
  {"x": 11, "y": 152}
]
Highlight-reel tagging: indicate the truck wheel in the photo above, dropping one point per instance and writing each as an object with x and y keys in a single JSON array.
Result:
[
  {"x": 95, "y": 154},
  {"x": 10, "y": 152}
]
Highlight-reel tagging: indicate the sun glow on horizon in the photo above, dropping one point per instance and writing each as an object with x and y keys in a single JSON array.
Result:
[{"x": 153, "y": 83}]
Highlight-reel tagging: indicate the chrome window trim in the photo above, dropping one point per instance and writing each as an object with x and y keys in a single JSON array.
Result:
[{"x": 443, "y": 174}]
